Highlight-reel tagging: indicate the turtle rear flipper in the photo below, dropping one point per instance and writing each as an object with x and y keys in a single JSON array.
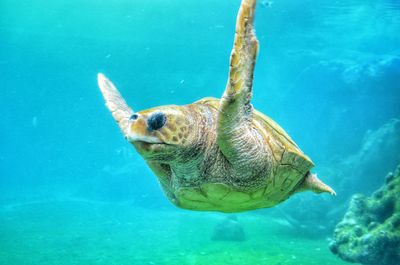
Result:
[
  {"x": 115, "y": 103},
  {"x": 312, "y": 183}
]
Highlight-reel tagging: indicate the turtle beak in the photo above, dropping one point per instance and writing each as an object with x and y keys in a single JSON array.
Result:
[{"x": 146, "y": 139}]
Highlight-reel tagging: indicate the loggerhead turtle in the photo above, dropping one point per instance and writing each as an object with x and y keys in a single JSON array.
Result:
[{"x": 218, "y": 154}]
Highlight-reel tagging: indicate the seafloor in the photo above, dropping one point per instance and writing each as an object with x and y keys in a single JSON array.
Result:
[{"x": 83, "y": 232}]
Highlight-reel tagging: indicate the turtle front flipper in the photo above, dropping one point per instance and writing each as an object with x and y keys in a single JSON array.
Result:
[
  {"x": 235, "y": 111},
  {"x": 115, "y": 103},
  {"x": 238, "y": 90}
]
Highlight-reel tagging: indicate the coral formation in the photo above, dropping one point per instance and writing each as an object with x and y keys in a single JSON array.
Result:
[
  {"x": 370, "y": 230},
  {"x": 228, "y": 229}
]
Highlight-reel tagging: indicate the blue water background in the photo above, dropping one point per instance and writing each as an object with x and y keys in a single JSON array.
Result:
[{"x": 327, "y": 71}]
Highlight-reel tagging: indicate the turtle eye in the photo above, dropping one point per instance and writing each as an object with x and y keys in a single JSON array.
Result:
[
  {"x": 156, "y": 121},
  {"x": 134, "y": 117}
]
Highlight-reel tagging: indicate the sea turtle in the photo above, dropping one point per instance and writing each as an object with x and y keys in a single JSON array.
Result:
[{"x": 218, "y": 154}]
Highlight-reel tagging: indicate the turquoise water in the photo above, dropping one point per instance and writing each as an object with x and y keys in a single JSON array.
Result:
[{"x": 73, "y": 191}]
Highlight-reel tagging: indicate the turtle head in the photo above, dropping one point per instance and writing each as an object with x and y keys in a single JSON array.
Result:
[{"x": 160, "y": 133}]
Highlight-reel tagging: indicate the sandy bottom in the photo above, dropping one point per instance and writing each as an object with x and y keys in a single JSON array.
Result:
[{"x": 79, "y": 232}]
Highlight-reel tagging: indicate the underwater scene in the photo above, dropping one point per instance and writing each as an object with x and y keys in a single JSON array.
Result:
[{"x": 148, "y": 179}]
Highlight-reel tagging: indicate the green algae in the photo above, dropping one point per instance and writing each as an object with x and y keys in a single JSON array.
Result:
[
  {"x": 370, "y": 230},
  {"x": 93, "y": 233}
]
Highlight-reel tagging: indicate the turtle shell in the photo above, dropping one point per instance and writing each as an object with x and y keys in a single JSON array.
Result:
[
  {"x": 291, "y": 165},
  {"x": 270, "y": 127}
]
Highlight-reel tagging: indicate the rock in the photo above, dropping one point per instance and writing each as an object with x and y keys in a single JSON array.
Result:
[
  {"x": 366, "y": 239},
  {"x": 389, "y": 177},
  {"x": 333, "y": 246},
  {"x": 228, "y": 229},
  {"x": 379, "y": 150},
  {"x": 358, "y": 230},
  {"x": 372, "y": 226},
  {"x": 369, "y": 232}
]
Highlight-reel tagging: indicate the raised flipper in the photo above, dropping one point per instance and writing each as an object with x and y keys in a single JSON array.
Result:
[
  {"x": 115, "y": 103},
  {"x": 235, "y": 112}
]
